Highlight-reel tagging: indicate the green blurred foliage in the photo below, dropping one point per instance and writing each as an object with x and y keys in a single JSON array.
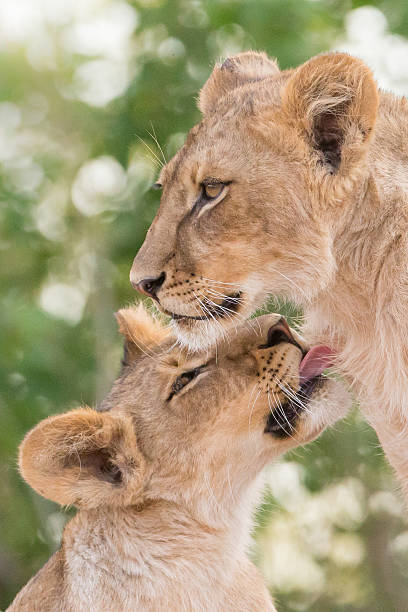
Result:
[{"x": 74, "y": 208}]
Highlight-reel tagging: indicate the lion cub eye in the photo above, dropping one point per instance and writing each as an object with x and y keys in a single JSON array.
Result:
[{"x": 183, "y": 380}]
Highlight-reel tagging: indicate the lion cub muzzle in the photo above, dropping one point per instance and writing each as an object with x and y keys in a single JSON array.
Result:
[{"x": 289, "y": 387}]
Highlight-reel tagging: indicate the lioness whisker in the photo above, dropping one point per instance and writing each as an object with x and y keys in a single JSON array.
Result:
[
  {"x": 149, "y": 355},
  {"x": 292, "y": 282},
  {"x": 212, "y": 280},
  {"x": 223, "y": 296},
  {"x": 223, "y": 334},
  {"x": 248, "y": 322},
  {"x": 223, "y": 331},
  {"x": 224, "y": 309},
  {"x": 208, "y": 311},
  {"x": 157, "y": 142},
  {"x": 158, "y": 160},
  {"x": 252, "y": 322}
]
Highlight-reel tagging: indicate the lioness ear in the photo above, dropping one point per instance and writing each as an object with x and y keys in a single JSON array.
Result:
[
  {"x": 233, "y": 72},
  {"x": 332, "y": 100},
  {"x": 140, "y": 330},
  {"x": 85, "y": 458}
]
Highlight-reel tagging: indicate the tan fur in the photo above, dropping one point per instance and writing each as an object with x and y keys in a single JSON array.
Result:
[
  {"x": 141, "y": 330},
  {"x": 234, "y": 72},
  {"x": 60, "y": 457},
  {"x": 316, "y": 211},
  {"x": 166, "y": 485}
]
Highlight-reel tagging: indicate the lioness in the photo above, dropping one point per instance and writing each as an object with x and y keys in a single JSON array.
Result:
[
  {"x": 166, "y": 474},
  {"x": 294, "y": 183}
]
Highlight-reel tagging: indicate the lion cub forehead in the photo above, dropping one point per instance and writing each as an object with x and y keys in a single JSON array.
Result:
[{"x": 180, "y": 359}]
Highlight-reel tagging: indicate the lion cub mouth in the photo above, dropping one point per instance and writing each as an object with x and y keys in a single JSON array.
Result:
[
  {"x": 228, "y": 306},
  {"x": 282, "y": 421}
]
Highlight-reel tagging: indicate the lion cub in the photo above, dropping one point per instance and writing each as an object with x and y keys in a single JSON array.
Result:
[{"x": 166, "y": 474}]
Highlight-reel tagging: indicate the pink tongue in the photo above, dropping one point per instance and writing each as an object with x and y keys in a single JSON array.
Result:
[{"x": 315, "y": 361}]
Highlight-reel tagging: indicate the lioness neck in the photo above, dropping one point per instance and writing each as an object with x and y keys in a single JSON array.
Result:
[{"x": 364, "y": 305}]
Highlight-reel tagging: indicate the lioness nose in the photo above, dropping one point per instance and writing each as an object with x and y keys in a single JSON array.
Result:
[{"x": 150, "y": 286}]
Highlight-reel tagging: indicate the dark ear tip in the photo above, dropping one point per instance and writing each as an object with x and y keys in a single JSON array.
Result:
[
  {"x": 126, "y": 356},
  {"x": 228, "y": 64}
]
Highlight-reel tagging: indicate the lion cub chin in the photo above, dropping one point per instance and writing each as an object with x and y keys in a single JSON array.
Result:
[{"x": 166, "y": 473}]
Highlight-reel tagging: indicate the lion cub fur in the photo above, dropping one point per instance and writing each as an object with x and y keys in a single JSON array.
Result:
[{"x": 165, "y": 476}]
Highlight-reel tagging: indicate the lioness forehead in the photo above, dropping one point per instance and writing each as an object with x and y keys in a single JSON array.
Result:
[
  {"x": 222, "y": 134},
  {"x": 208, "y": 152}
]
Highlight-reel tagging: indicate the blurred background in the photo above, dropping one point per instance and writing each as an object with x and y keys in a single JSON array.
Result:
[{"x": 86, "y": 88}]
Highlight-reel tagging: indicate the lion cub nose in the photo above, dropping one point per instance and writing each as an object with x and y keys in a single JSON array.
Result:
[
  {"x": 280, "y": 332},
  {"x": 150, "y": 286}
]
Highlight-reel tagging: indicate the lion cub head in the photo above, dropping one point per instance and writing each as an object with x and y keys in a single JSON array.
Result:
[
  {"x": 176, "y": 425},
  {"x": 250, "y": 201}
]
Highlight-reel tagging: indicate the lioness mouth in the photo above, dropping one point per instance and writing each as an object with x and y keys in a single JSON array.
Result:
[
  {"x": 227, "y": 307},
  {"x": 281, "y": 422}
]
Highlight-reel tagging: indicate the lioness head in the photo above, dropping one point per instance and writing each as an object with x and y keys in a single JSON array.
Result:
[
  {"x": 176, "y": 426},
  {"x": 250, "y": 202}
]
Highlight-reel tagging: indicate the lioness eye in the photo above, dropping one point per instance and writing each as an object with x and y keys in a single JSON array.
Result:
[
  {"x": 183, "y": 380},
  {"x": 211, "y": 193},
  {"x": 212, "y": 190}
]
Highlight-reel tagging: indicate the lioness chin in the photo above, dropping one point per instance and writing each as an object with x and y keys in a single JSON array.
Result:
[
  {"x": 165, "y": 475},
  {"x": 294, "y": 183}
]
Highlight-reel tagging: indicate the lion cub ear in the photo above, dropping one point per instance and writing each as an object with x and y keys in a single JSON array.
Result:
[
  {"x": 84, "y": 458},
  {"x": 234, "y": 72},
  {"x": 141, "y": 331},
  {"x": 332, "y": 100}
]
